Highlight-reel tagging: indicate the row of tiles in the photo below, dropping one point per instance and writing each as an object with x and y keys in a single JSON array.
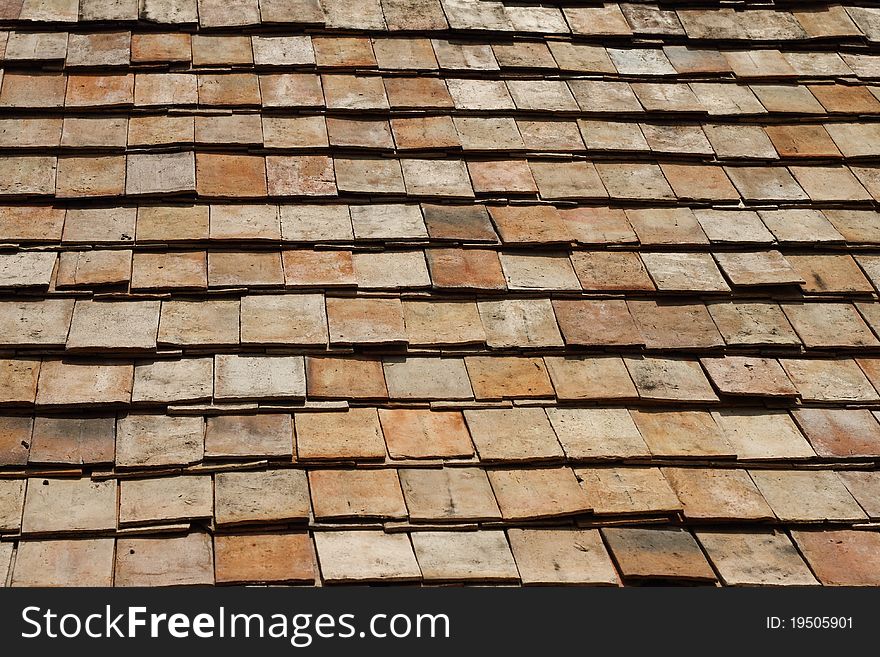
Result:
[
  {"x": 216, "y": 175},
  {"x": 446, "y": 133},
  {"x": 359, "y": 93},
  {"x": 512, "y": 435},
  {"x": 607, "y": 19},
  {"x": 123, "y": 49},
  {"x": 283, "y": 379},
  {"x": 471, "y": 224},
  {"x": 309, "y": 321},
  {"x": 451, "y": 270},
  {"x": 54, "y": 506},
  {"x": 750, "y": 557}
]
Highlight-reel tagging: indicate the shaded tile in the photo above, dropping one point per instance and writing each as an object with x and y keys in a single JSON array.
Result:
[
  {"x": 668, "y": 379},
  {"x": 365, "y": 321},
  {"x": 33, "y": 323},
  {"x": 436, "y": 178},
  {"x": 526, "y": 224},
  {"x": 586, "y": 322},
  {"x": 610, "y": 270},
  {"x": 64, "y": 383},
  {"x": 839, "y": 432},
  {"x": 73, "y": 441},
  {"x": 657, "y": 554},
  {"x": 232, "y": 176},
  {"x": 245, "y": 268},
  {"x": 465, "y": 269},
  {"x": 163, "y": 271},
  {"x": 12, "y": 503},
  {"x": 677, "y": 226},
  {"x": 752, "y": 324},
  {"x": 208, "y": 322},
  {"x": 290, "y": 319},
  {"x": 91, "y": 176},
  {"x": 829, "y": 325},
  {"x": 171, "y": 223},
  {"x": 244, "y": 436},
  {"x": 841, "y": 558},
  {"x": 442, "y": 323},
  {"x": 674, "y": 326}
]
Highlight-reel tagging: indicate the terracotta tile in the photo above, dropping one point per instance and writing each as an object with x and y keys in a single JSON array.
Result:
[
  {"x": 290, "y": 319},
  {"x": 151, "y": 48},
  {"x": 674, "y": 326},
  {"x": 508, "y": 377},
  {"x": 829, "y": 380},
  {"x": 718, "y": 495},
  {"x": 27, "y": 269},
  {"x": 763, "y": 435},
  {"x": 392, "y": 222},
  {"x": 208, "y": 50},
  {"x": 126, "y": 325},
  {"x": 541, "y": 493},
  {"x": 291, "y": 90},
  {"x": 805, "y": 496},
  {"x": 463, "y": 56},
  {"x": 562, "y": 556},
  {"x": 166, "y": 89},
  {"x": 210, "y": 322},
  {"x": 248, "y": 436},
  {"x": 230, "y": 175},
  {"x": 681, "y": 434},
  {"x": 287, "y": 11},
  {"x": 340, "y": 378},
  {"x": 287, "y": 558},
  {"x": 829, "y": 325},
  {"x": 787, "y": 98},
  {"x": 15, "y": 440},
  {"x": 172, "y": 223},
  {"x": 802, "y": 141},
  {"x": 677, "y": 226},
  {"x": 349, "y": 557},
  {"x": 354, "y": 92},
  {"x": 68, "y": 563},
  {"x": 436, "y": 178},
  {"x": 839, "y": 432},
  {"x": 420, "y": 92},
  {"x": 390, "y": 269},
  {"x": 427, "y": 378},
  {"x": 89, "y": 225},
  {"x": 294, "y": 131},
  {"x": 482, "y": 556},
  {"x": 160, "y": 130},
  {"x": 748, "y": 376},
  {"x": 841, "y": 558},
  {"x": 73, "y": 441},
  {"x": 64, "y": 383},
  {"x": 316, "y": 223},
  {"x": 28, "y": 176},
  {"x": 162, "y": 271},
  {"x": 465, "y": 269},
  {"x": 856, "y": 140},
  {"x": 245, "y": 222},
  {"x": 38, "y": 11},
  {"x": 634, "y": 181},
  {"x": 502, "y": 176},
  {"x": 699, "y": 182},
  {"x": 605, "y": 96},
  {"x": 354, "y": 434},
  {"x": 259, "y": 497},
  {"x": 365, "y": 321},
  {"x": 167, "y": 561},
  {"x": 164, "y": 174},
  {"x": 100, "y": 49},
  {"x": 181, "y": 380},
  {"x": 242, "y": 268},
  {"x": 84, "y": 133},
  {"x": 830, "y": 274},
  {"x": 765, "y": 184},
  {"x": 32, "y": 323},
  {"x": 369, "y": 176},
  {"x": 524, "y": 224},
  {"x": 352, "y": 494},
  {"x": 166, "y": 499},
  {"x": 318, "y": 268},
  {"x": 689, "y": 60},
  {"x": 542, "y": 95},
  {"x": 757, "y": 268},
  {"x": 442, "y": 323},
  {"x": 863, "y": 486},
  {"x": 623, "y": 491},
  {"x": 514, "y": 434},
  {"x": 239, "y": 377},
  {"x": 830, "y": 184},
  {"x": 458, "y": 222},
  {"x": 640, "y": 61},
  {"x": 448, "y": 494},
  {"x": 360, "y": 133},
  {"x": 99, "y": 90},
  {"x": 478, "y": 133},
  {"x": 520, "y": 323},
  {"x": 11, "y": 504},
  {"x": 33, "y": 90},
  {"x": 404, "y": 54},
  {"x": 756, "y": 558},
  {"x": 412, "y": 15},
  {"x": 590, "y": 434},
  {"x": 550, "y": 135},
  {"x": 565, "y": 180},
  {"x": 524, "y": 55},
  {"x": 158, "y": 440},
  {"x": 418, "y": 133},
  {"x": 40, "y": 46},
  {"x": 590, "y": 378},
  {"x": 69, "y": 505},
  {"x": 609, "y": 270},
  {"x": 92, "y": 176},
  {"x": 736, "y": 141},
  {"x": 657, "y": 554},
  {"x": 807, "y": 226},
  {"x": 416, "y": 433},
  {"x": 229, "y": 89},
  {"x": 31, "y": 223},
  {"x": 678, "y": 139},
  {"x": 283, "y": 50},
  {"x": 667, "y": 97},
  {"x": 229, "y": 129},
  {"x": 479, "y": 94},
  {"x": 845, "y": 99},
  {"x": 683, "y": 272},
  {"x": 586, "y": 322}
]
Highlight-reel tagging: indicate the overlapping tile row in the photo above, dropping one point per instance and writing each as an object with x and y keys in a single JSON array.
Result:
[{"x": 439, "y": 292}]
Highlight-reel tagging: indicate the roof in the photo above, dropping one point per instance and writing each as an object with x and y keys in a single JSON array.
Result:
[{"x": 439, "y": 291}]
